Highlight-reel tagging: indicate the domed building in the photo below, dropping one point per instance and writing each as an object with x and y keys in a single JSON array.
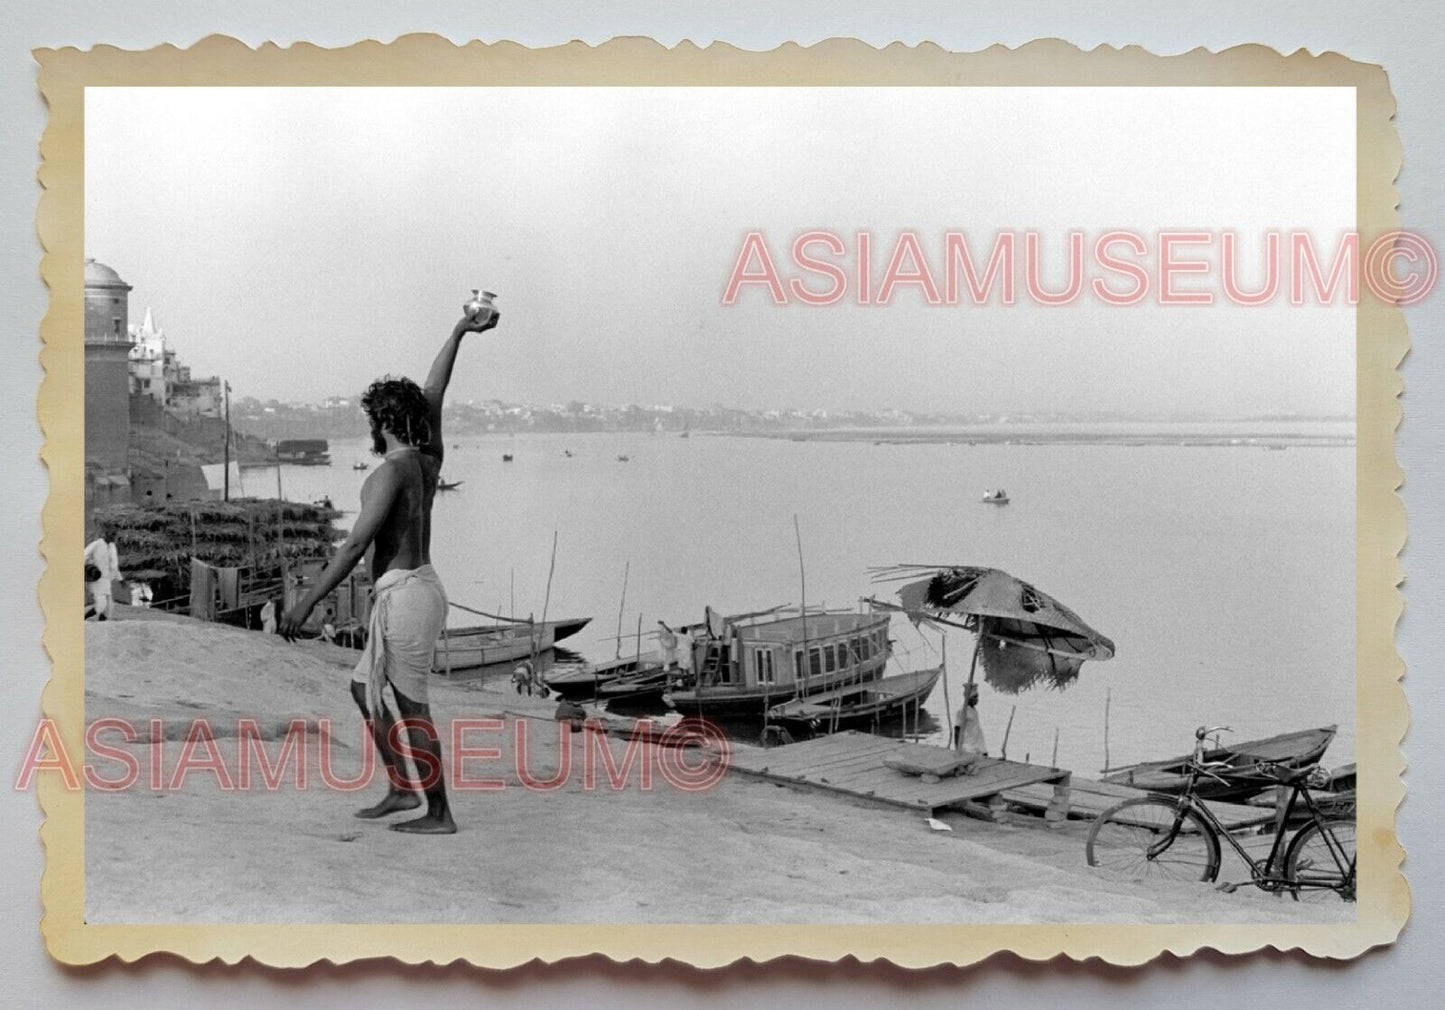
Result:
[{"x": 107, "y": 368}]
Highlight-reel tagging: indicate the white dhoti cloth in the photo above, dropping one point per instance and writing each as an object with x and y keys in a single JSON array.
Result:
[
  {"x": 970, "y": 732},
  {"x": 408, "y": 615}
]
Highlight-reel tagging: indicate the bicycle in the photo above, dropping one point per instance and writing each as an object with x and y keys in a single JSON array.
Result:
[{"x": 1177, "y": 837}]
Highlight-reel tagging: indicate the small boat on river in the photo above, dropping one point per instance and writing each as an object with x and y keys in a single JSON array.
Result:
[
  {"x": 859, "y": 705},
  {"x": 643, "y": 685},
  {"x": 999, "y": 497},
  {"x": 583, "y": 681},
  {"x": 484, "y": 645},
  {"x": 1293, "y": 750},
  {"x": 443, "y": 485}
]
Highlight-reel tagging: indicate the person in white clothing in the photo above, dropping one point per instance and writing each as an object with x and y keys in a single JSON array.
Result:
[
  {"x": 102, "y": 567},
  {"x": 684, "y": 652},
  {"x": 667, "y": 641},
  {"x": 968, "y": 731}
]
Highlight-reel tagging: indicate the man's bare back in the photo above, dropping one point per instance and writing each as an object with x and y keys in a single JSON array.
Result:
[{"x": 404, "y": 539}]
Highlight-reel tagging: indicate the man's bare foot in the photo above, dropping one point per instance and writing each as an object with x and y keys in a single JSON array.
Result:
[
  {"x": 390, "y": 804},
  {"x": 427, "y": 825}
]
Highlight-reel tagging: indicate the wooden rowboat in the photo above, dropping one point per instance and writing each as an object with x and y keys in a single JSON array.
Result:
[
  {"x": 484, "y": 645},
  {"x": 860, "y": 704},
  {"x": 1293, "y": 750},
  {"x": 578, "y": 682},
  {"x": 645, "y": 685}
]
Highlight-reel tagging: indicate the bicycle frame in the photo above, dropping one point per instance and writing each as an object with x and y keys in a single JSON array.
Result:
[{"x": 1262, "y": 872}]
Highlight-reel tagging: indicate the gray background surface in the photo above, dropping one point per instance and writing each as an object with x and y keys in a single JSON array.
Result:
[{"x": 1404, "y": 37}]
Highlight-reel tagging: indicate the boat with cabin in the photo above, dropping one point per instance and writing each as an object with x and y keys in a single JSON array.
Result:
[
  {"x": 998, "y": 497},
  {"x": 751, "y": 663},
  {"x": 304, "y": 451},
  {"x": 1292, "y": 750},
  {"x": 487, "y": 644}
]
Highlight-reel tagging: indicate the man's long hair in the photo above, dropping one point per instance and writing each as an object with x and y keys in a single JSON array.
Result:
[{"x": 400, "y": 407}]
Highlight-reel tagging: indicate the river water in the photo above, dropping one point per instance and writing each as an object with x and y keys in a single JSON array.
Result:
[{"x": 1224, "y": 574}]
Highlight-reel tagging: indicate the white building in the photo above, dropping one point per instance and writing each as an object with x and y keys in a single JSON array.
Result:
[
  {"x": 152, "y": 367},
  {"x": 156, "y": 372}
]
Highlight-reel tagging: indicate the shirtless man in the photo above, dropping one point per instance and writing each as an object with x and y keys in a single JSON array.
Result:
[{"x": 409, "y": 610}]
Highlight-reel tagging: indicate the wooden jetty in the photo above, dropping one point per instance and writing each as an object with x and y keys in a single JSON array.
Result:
[
  {"x": 1089, "y": 798},
  {"x": 852, "y": 763}
]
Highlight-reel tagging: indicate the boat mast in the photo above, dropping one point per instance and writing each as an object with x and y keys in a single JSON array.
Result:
[
  {"x": 621, "y": 607},
  {"x": 226, "y": 443},
  {"x": 803, "y": 606}
]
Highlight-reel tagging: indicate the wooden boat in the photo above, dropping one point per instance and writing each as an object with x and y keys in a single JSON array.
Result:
[
  {"x": 583, "y": 680},
  {"x": 859, "y": 704},
  {"x": 646, "y": 684},
  {"x": 1294, "y": 750},
  {"x": 484, "y": 645},
  {"x": 506, "y": 457},
  {"x": 303, "y": 451},
  {"x": 999, "y": 497},
  {"x": 443, "y": 485},
  {"x": 763, "y": 660},
  {"x": 623, "y": 458},
  {"x": 1336, "y": 798},
  {"x": 360, "y": 465}
]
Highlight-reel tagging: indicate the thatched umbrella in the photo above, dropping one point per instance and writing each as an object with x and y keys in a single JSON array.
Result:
[{"x": 1024, "y": 636}]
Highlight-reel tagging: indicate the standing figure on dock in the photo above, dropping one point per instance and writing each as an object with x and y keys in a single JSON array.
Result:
[
  {"x": 968, "y": 731},
  {"x": 667, "y": 641},
  {"x": 409, "y": 609},
  {"x": 684, "y": 654},
  {"x": 102, "y": 567}
]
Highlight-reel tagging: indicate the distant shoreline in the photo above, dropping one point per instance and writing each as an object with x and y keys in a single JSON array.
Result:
[{"x": 1043, "y": 435}]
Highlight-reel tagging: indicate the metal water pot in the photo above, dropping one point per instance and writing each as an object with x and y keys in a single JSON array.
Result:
[{"x": 479, "y": 303}]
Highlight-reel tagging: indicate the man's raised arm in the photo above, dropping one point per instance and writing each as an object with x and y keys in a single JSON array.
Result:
[{"x": 440, "y": 375}]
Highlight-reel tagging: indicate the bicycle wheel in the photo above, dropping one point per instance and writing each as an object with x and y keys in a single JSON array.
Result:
[
  {"x": 1153, "y": 839},
  {"x": 1321, "y": 860}
]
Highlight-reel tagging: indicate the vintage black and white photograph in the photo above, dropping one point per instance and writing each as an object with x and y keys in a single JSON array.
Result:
[{"x": 720, "y": 505}]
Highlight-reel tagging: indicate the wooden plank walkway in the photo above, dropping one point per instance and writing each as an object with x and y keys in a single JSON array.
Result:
[
  {"x": 851, "y": 763},
  {"x": 1088, "y": 798}
]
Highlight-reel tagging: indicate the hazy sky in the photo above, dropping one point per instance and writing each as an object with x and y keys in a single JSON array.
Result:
[{"x": 302, "y": 241}]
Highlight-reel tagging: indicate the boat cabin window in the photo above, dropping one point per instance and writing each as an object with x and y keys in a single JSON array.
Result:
[
  {"x": 763, "y": 670},
  {"x": 815, "y": 662},
  {"x": 831, "y": 658}
]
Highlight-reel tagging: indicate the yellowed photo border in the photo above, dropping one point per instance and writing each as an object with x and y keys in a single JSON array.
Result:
[{"x": 1382, "y": 341}]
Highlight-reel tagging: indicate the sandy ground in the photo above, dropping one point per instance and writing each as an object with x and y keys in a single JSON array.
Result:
[{"x": 743, "y": 851}]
